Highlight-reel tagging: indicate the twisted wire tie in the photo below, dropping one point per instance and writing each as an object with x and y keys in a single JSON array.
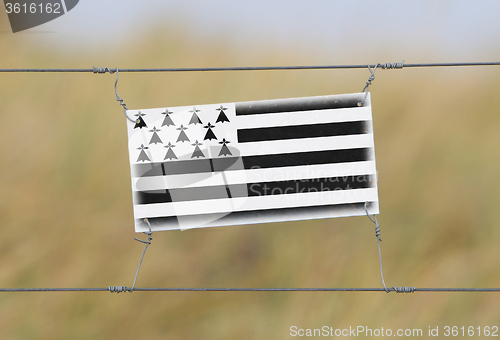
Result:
[
  {"x": 377, "y": 225},
  {"x": 102, "y": 70},
  {"x": 148, "y": 233},
  {"x": 370, "y": 78},
  {"x": 386, "y": 66},
  {"x": 123, "y": 289},
  {"x": 118, "y": 99},
  {"x": 377, "y": 234},
  {"x": 368, "y": 83},
  {"x": 147, "y": 243},
  {"x": 118, "y": 289},
  {"x": 404, "y": 289},
  {"x": 392, "y": 66}
]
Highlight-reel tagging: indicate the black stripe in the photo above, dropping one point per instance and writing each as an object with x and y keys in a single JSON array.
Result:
[
  {"x": 303, "y": 131},
  {"x": 308, "y": 158},
  {"x": 259, "y": 216},
  {"x": 252, "y": 162},
  {"x": 254, "y": 189},
  {"x": 299, "y": 104}
]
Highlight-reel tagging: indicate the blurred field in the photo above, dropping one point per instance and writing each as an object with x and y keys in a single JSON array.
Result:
[{"x": 66, "y": 209}]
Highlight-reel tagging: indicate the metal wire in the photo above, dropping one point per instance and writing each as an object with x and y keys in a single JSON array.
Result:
[
  {"x": 123, "y": 289},
  {"x": 377, "y": 235},
  {"x": 118, "y": 98},
  {"x": 147, "y": 242},
  {"x": 368, "y": 83},
  {"x": 257, "y": 68}
]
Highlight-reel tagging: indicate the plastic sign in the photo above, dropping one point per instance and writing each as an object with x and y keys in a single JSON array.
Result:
[{"x": 252, "y": 162}]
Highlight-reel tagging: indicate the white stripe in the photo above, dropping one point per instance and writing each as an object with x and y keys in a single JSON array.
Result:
[
  {"x": 306, "y": 144},
  {"x": 303, "y": 117},
  {"x": 254, "y": 176},
  {"x": 255, "y": 203},
  {"x": 305, "y": 215},
  {"x": 64, "y": 6},
  {"x": 345, "y": 211}
]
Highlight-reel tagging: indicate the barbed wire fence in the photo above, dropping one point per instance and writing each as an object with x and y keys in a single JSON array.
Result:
[{"x": 371, "y": 67}]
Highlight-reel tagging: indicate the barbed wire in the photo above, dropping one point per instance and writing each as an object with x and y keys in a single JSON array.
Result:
[
  {"x": 251, "y": 68},
  {"x": 123, "y": 289}
]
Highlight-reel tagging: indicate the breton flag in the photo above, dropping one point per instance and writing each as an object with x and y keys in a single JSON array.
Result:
[{"x": 252, "y": 162}]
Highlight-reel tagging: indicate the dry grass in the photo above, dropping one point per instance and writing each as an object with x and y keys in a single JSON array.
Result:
[{"x": 66, "y": 213}]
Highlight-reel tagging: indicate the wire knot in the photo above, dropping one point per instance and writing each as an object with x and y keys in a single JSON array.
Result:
[
  {"x": 374, "y": 220},
  {"x": 403, "y": 289},
  {"x": 103, "y": 70},
  {"x": 389, "y": 66},
  {"x": 377, "y": 232},
  {"x": 118, "y": 289},
  {"x": 148, "y": 233},
  {"x": 368, "y": 83}
]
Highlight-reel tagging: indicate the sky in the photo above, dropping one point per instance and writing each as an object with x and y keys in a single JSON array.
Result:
[{"x": 435, "y": 30}]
